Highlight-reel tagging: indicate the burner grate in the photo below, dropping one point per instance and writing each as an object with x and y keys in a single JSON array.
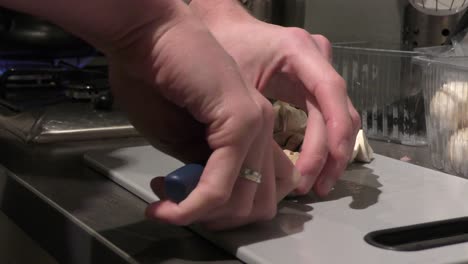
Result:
[{"x": 25, "y": 85}]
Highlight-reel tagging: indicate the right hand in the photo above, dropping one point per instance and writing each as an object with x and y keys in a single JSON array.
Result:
[
  {"x": 290, "y": 65},
  {"x": 185, "y": 94}
]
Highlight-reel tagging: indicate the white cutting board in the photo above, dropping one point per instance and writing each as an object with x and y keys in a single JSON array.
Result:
[{"x": 383, "y": 194}]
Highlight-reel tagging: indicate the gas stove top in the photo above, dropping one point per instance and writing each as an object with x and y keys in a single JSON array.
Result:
[{"x": 59, "y": 100}]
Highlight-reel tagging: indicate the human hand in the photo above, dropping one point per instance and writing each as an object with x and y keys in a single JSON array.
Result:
[
  {"x": 185, "y": 94},
  {"x": 291, "y": 65}
]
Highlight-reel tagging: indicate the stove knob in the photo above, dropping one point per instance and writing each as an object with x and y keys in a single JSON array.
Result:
[{"x": 104, "y": 101}]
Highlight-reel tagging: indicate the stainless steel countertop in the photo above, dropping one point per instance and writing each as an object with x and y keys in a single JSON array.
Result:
[{"x": 79, "y": 216}]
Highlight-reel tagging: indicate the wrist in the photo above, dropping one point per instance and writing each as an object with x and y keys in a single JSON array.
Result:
[
  {"x": 210, "y": 11},
  {"x": 157, "y": 18}
]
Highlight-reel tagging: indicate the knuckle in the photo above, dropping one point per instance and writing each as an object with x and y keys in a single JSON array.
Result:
[
  {"x": 318, "y": 160},
  {"x": 324, "y": 45},
  {"x": 322, "y": 41},
  {"x": 216, "y": 197},
  {"x": 298, "y": 34},
  {"x": 292, "y": 40},
  {"x": 356, "y": 119},
  {"x": 348, "y": 134},
  {"x": 342, "y": 157},
  {"x": 254, "y": 117},
  {"x": 338, "y": 82},
  {"x": 249, "y": 121},
  {"x": 268, "y": 113},
  {"x": 314, "y": 164},
  {"x": 311, "y": 170},
  {"x": 335, "y": 81},
  {"x": 242, "y": 212}
]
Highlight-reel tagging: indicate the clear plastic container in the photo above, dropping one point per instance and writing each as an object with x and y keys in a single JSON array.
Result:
[
  {"x": 445, "y": 82},
  {"x": 381, "y": 84}
]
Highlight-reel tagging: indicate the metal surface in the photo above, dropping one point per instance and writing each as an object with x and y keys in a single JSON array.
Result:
[
  {"x": 65, "y": 122},
  {"x": 440, "y": 7},
  {"x": 79, "y": 216},
  {"x": 422, "y": 30}
]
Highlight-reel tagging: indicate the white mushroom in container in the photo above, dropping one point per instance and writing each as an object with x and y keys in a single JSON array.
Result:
[
  {"x": 457, "y": 151},
  {"x": 449, "y": 105}
]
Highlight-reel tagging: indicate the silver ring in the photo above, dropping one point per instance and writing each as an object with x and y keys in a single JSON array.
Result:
[{"x": 251, "y": 175}]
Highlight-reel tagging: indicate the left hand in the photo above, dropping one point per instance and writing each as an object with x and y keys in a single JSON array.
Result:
[{"x": 291, "y": 65}]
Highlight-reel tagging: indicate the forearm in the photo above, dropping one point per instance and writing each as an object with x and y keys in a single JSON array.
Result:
[{"x": 103, "y": 23}]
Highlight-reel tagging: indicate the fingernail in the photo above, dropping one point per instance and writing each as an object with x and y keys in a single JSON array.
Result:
[
  {"x": 326, "y": 185},
  {"x": 301, "y": 184}
]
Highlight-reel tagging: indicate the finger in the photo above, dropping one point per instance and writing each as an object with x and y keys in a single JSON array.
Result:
[
  {"x": 220, "y": 174},
  {"x": 330, "y": 174},
  {"x": 286, "y": 174},
  {"x": 324, "y": 46},
  {"x": 241, "y": 203},
  {"x": 355, "y": 117},
  {"x": 329, "y": 89},
  {"x": 264, "y": 206},
  {"x": 287, "y": 178},
  {"x": 334, "y": 168},
  {"x": 213, "y": 190},
  {"x": 314, "y": 152}
]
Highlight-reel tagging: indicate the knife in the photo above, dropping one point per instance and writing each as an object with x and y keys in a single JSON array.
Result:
[{"x": 181, "y": 182}]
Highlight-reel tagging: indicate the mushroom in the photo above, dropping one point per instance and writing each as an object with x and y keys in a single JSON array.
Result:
[
  {"x": 449, "y": 105},
  {"x": 457, "y": 151}
]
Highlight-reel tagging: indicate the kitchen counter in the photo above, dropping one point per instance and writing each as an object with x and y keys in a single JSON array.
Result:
[{"x": 79, "y": 216}]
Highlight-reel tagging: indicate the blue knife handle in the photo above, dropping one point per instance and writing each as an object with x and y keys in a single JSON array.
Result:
[{"x": 181, "y": 182}]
